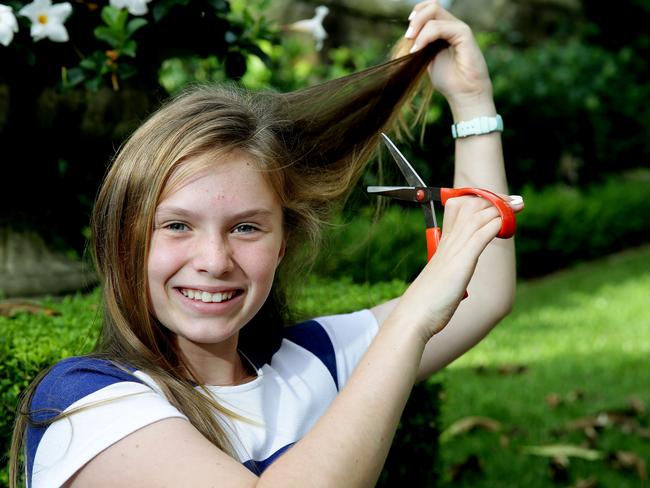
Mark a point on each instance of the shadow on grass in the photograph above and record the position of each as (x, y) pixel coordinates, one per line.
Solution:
(538, 404)
(585, 279)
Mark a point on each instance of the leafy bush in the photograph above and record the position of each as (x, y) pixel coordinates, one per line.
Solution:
(559, 225)
(30, 343)
(562, 225)
(574, 112)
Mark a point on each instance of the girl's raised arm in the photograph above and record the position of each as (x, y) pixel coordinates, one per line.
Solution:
(460, 74)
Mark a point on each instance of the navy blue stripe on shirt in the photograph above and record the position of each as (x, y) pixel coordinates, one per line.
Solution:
(313, 337)
(258, 467)
(67, 382)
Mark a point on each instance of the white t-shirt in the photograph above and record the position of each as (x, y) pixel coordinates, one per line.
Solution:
(291, 392)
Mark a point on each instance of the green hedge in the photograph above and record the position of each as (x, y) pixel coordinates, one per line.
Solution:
(559, 226)
(31, 342)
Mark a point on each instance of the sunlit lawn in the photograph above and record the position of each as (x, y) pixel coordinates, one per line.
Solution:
(577, 345)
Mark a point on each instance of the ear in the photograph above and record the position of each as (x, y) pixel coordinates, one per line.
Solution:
(283, 248)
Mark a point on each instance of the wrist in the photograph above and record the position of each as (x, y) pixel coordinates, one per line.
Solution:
(477, 126)
(472, 106)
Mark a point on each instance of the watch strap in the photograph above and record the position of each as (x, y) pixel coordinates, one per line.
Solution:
(477, 126)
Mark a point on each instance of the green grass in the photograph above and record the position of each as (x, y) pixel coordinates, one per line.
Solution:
(583, 336)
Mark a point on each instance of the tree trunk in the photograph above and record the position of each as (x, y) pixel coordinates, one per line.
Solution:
(29, 267)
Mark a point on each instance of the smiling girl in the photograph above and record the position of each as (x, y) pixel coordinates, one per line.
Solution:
(208, 212)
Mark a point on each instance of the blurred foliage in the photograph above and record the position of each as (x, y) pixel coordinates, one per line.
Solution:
(574, 112)
(559, 226)
(35, 338)
(109, 46)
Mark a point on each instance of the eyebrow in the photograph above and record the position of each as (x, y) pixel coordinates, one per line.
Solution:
(183, 212)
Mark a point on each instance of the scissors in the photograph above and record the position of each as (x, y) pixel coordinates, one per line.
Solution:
(425, 195)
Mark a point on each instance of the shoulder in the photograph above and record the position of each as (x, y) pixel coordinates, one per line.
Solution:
(71, 380)
(338, 341)
(332, 330)
(81, 406)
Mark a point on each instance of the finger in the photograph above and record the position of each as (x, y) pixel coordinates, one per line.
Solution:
(471, 219)
(463, 219)
(471, 235)
(456, 33)
(516, 202)
(428, 11)
(459, 209)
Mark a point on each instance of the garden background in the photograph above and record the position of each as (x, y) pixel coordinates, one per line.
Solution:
(557, 395)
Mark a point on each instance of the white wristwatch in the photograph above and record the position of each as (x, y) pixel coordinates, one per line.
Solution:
(477, 126)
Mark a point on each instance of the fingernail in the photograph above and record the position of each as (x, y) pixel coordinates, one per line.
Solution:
(516, 199)
(411, 15)
(409, 33)
(414, 48)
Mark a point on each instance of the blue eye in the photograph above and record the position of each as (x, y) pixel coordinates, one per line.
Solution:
(245, 228)
(176, 227)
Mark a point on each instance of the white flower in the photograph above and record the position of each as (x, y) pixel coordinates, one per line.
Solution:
(135, 7)
(8, 25)
(47, 19)
(313, 26)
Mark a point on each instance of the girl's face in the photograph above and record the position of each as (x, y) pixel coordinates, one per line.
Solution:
(216, 244)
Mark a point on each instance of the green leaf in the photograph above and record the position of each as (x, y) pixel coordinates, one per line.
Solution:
(129, 48)
(74, 76)
(94, 83)
(163, 7)
(114, 18)
(134, 25)
(108, 35)
(127, 71)
(89, 64)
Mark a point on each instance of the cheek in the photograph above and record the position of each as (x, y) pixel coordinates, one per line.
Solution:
(162, 261)
(262, 263)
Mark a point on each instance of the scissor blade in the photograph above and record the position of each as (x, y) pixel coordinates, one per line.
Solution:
(405, 167)
(407, 193)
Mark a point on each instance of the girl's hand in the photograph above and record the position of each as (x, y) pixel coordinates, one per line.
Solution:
(470, 224)
(459, 73)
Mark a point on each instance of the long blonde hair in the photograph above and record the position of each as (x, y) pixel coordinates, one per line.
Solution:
(312, 145)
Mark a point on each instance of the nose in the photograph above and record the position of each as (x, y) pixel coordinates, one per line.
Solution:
(213, 256)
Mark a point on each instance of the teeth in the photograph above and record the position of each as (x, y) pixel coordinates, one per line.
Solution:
(207, 297)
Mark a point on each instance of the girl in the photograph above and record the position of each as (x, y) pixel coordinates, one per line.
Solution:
(200, 223)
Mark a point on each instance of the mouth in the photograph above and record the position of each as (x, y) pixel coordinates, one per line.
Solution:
(207, 297)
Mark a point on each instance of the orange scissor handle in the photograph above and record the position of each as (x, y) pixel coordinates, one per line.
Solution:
(508, 222)
(433, 238)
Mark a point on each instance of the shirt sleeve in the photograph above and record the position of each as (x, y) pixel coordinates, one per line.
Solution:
(103, 402)
(351, 335)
